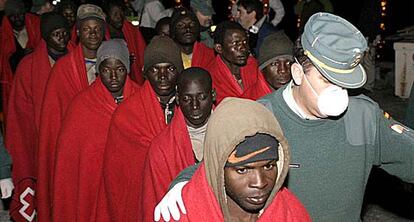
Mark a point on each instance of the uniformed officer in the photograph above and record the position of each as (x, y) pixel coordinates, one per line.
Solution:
(335, 139)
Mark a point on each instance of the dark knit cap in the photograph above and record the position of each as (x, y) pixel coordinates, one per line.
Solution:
(273, 46)
(162, 49)
(253, 149)
(12, 7)
(114, 48)
(179, 14)
(51, 21)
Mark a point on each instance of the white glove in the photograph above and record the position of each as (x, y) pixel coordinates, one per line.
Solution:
(168, 204)
(6, 187)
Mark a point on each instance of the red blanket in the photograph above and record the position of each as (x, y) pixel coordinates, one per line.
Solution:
(134, 124)
(169, 153)
(8, 47)
(26, 97)
(202, 205)
(203, 56)
(136, 46)
(67, 78)
(79, 152)
(226, 85)
(74, 39)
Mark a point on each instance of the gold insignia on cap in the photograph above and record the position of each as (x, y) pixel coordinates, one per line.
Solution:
(356, 60)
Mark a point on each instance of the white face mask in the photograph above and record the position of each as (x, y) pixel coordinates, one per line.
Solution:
(332, 101)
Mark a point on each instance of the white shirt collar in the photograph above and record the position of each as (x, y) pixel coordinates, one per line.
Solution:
(290, 101)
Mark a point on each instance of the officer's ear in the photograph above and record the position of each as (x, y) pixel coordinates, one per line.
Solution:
(297, 73)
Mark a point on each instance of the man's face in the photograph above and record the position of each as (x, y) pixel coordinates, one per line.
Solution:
(204, 20)
(278, 73)
(164, 30)
(58, 39)
(250, 185)
(17, 21)
(186, 31)
(91, 33)
(306, 81)
(70, 15)
(196, 101)
(113, 74)
(47, 7)
(163, 78)
(116, 17)
(244, 18)
(235, 48)
(2, 3)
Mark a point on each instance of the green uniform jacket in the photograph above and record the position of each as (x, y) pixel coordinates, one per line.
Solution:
(332, 158)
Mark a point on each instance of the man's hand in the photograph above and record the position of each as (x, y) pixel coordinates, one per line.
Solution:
(168, 204)
(6, 187)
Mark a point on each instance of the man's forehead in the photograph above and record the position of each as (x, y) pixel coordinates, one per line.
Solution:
(91, 22)
(233, 34)
(186, 18)
(162, 65)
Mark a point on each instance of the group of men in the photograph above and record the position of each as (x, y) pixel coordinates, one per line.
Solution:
(99, 124)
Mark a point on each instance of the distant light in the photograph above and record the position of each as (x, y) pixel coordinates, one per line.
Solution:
(135, 23)
(383, 3)
(54, 2)
(213, 28)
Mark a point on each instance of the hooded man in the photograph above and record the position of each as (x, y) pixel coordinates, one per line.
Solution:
(275, 58)
(26, 99)
(82, 138)
(246, 160)
(134, 124)
(349, 135)
(119, 27)
(180, 144)
(235, 73)
(69, 76)
(19, 35)
(185, 30)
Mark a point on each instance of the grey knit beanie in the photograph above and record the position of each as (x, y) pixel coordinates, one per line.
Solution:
(273, 46)
(162, 49)
(114, 48)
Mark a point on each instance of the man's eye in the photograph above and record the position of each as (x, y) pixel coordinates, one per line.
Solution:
(269, 166)
(186, 98)
(171, 68)
(180, 25)
(121, 70)
(241, 171)
(202, 97)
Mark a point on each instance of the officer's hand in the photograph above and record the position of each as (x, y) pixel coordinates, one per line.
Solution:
(6, 187)
(168, 204)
